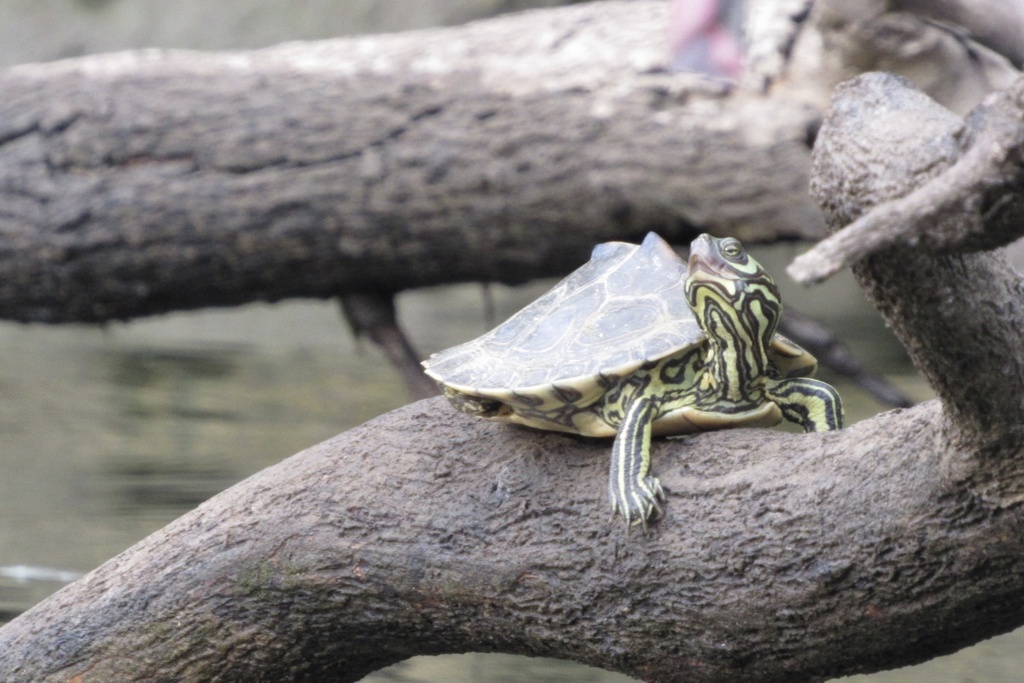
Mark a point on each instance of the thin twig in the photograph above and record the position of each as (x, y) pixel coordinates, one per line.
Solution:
(995, 158)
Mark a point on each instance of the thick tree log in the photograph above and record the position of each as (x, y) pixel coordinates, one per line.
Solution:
(142, 182)
(780, 558)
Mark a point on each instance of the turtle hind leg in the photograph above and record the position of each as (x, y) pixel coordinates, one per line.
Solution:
(633, 493)
(810, 403)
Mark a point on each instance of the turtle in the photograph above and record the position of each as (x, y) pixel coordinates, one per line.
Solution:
(638, 343)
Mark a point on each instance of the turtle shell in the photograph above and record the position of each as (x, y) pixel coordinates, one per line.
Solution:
(624, 307)
(545, 365)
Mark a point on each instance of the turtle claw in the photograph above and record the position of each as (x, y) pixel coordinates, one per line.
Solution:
(641, 504)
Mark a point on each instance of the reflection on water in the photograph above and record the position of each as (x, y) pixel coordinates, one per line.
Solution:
(492, 668)
(18, 581)
(108, 434)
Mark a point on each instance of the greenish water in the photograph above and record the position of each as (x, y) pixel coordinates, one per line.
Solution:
(108, 434)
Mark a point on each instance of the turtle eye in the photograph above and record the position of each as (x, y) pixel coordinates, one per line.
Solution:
(731, 248)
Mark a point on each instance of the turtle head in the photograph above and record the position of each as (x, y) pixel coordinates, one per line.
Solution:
(725, 265)
(734, 299)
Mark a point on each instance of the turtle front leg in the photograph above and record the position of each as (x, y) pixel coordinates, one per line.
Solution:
(634, 495)
(810, 403)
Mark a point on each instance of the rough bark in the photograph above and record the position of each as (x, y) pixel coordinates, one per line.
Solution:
(142, 182)
(975, 203)
(998, 24)
(959, 316)
(780, 558)
(956, 51)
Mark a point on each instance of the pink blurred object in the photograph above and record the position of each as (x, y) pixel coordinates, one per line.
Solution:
(704, 36)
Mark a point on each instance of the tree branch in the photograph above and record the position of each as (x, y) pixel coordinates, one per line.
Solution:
(142, 182)
(957, 314)
(781, 558)
(999, 24)
(991, 166)
(949, 49)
